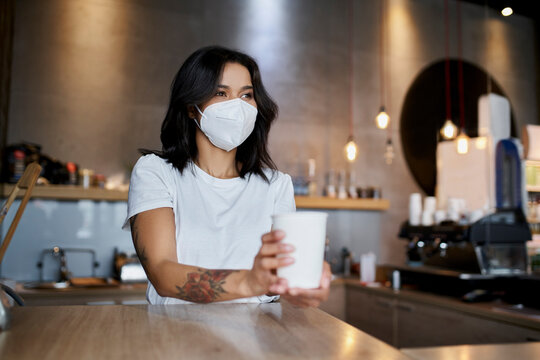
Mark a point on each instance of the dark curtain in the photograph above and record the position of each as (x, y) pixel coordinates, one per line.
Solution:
(7, 11)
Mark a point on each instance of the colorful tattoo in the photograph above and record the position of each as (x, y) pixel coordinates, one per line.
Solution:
(141, 252)
(204, 286)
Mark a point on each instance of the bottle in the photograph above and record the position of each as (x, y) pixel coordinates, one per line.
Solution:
(346, 261)
(353, 193)
(72, 173)
(396, 280)
(18, 165)
(86, 178)
(327, 250)
(342, 190)
(330, 190)
(312, 185)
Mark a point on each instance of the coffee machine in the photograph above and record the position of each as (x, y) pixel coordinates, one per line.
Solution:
(493, 245)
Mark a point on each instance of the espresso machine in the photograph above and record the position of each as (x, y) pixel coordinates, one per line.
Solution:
(493, 245)
(491, 253)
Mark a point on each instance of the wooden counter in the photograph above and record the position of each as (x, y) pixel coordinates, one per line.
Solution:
(216, 331)
(491, 352)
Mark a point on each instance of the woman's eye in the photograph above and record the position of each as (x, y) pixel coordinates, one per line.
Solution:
(221, 93)
(247, 96)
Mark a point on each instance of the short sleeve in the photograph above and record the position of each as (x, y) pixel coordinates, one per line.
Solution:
(284, 201)
(149, 187)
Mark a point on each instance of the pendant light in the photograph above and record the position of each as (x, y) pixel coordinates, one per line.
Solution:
(382, 119)
(462, 143)
(351, 149)
(389, 152)
(449, 130)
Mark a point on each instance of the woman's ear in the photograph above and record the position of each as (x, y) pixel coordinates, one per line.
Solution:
(192, 112)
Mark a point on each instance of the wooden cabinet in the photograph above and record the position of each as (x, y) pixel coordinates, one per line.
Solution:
(371, 313)
(335, 305)
(409, 323)
(426, 325)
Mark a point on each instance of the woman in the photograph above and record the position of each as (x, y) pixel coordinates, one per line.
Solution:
(200, 209)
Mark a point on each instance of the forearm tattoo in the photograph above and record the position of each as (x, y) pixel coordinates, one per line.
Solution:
(139, 248)
(204, 286)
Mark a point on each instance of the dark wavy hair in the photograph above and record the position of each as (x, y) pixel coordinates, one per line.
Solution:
(195, 83)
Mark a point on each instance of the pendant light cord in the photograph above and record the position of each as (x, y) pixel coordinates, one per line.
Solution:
(381, 52)
(460, 68)
(486, 12)
(447, 63)
(385, 79)
(351, 71)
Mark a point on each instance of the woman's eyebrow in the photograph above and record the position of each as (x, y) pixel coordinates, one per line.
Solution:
(227, 87)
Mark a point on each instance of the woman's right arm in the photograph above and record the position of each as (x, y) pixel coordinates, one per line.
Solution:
(153, 234)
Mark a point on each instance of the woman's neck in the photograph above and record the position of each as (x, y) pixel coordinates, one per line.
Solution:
(213, 160)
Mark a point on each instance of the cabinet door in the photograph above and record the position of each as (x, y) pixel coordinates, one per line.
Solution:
(335, 305)
(371, 313)
(427, 325)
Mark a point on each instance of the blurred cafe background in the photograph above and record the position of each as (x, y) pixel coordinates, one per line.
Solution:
(414, 123)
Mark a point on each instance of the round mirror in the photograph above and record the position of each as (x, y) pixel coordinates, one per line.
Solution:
(424, 113)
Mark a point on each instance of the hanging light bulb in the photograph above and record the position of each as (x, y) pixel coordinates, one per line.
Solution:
(351, 150)
(462, 143)
(507, 11)
(449, 130)
(481, 142)
(382, 119)
(389, 152)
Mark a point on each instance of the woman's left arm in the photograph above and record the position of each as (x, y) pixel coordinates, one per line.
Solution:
(310, 297)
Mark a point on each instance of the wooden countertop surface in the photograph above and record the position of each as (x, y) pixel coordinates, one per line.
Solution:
(491, 352)
(216, 331)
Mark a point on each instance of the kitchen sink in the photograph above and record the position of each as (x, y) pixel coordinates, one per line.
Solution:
(73, 283)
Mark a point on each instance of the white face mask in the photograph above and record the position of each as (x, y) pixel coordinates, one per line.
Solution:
(227, 124)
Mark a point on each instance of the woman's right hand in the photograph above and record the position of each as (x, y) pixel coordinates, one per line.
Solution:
(262, 278)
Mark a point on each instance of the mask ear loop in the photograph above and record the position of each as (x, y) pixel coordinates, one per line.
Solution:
(196, 122)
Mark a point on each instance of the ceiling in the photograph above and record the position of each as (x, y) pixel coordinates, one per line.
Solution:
(528, 8)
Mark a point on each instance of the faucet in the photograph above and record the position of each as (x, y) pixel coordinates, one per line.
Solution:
(64, 273)
(60, 253)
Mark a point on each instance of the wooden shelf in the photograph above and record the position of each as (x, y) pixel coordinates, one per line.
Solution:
(533, 188)
(316, 202)
(70, 192)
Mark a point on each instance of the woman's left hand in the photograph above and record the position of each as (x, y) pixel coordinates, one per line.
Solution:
(311, 297)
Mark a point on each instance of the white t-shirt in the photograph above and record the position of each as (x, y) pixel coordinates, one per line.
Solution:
(219, 222)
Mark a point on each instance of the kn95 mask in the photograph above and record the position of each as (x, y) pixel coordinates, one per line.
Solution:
(227, 124)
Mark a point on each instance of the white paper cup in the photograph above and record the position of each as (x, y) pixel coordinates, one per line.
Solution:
(415, 209)
(306, 231)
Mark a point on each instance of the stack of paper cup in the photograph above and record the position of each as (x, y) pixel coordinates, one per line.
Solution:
(428, 214)
(454, 209)
(368, 267)
(415, 209)
(440, 216)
